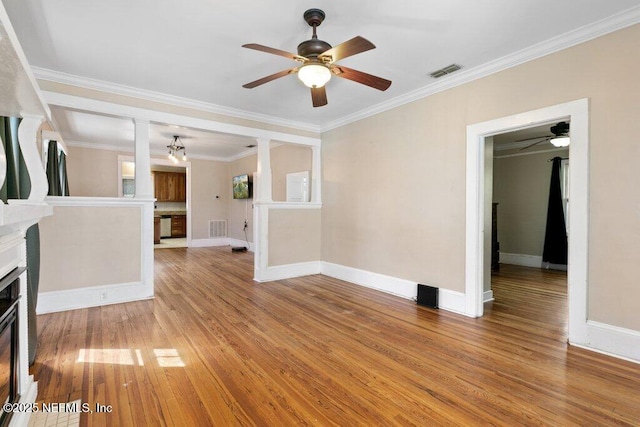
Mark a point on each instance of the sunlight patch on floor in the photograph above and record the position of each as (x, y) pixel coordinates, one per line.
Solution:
(166, 357)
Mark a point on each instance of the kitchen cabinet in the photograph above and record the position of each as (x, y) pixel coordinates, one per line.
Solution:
(170, 186)
(156, 230)
(178, 226)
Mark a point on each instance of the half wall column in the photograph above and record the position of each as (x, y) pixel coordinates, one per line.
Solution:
(142, 160)
(261, 209)
(264, 171)
(316, 174)
(144, 192)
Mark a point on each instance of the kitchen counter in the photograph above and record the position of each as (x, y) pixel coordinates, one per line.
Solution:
(158, 213)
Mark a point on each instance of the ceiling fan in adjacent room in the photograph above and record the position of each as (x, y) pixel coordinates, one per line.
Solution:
(560, 137)
(318, 62)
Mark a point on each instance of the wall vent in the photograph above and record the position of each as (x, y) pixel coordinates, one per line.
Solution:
(446, 70)
(217, 228)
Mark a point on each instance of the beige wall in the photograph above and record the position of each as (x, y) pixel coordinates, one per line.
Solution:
(241, 209)
(394, 184)
(78, 248)
(209, 195)
(294, 236)
(93, 173)
(287, 159)
(521, 187)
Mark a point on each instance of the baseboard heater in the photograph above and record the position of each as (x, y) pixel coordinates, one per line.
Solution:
(427, 296)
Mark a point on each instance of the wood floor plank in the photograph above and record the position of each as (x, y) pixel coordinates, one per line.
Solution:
(216, 348)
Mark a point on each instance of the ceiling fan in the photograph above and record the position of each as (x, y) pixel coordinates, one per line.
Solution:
(318, 62)
(560, 137)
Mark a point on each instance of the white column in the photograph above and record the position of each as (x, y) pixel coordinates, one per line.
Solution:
(316, 175)
(264, 171)
(261, 210)
(144, 191)
(142, 160)
(27, 136)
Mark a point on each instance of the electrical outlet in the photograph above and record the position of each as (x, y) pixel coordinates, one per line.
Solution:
(245, 224)
(103, 296)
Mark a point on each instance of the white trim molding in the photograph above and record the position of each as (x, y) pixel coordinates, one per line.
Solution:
(289, 271)
(612, 340)
(242, 243)
(104, 86)
(613, 23)
(206, 243)
(94, 296)
(521, 259)
(578, 112)
(447, 300)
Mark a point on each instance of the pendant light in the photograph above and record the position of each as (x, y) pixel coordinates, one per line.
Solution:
(175, 148)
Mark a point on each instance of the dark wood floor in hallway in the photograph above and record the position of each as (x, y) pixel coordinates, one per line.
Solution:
(215, 348)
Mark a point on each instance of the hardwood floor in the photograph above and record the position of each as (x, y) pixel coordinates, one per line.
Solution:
(216, 348)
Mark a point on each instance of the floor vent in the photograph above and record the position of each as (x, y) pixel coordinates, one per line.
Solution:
(427, 296)
(217, 228)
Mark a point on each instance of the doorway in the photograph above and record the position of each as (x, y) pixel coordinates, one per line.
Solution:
(167, 209)
(517, 192)
(578, 113)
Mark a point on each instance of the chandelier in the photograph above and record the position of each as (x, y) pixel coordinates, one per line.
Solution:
(175, 148)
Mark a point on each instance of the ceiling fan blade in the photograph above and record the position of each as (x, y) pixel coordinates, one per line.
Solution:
(318, 96)
(267, 79)
(534, 144)
(531, 139)
(275, 51)
(349, 48)
(360, 77)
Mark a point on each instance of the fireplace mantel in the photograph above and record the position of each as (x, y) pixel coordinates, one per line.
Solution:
(20, 96)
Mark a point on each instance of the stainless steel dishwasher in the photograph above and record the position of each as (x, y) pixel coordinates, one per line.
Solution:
(165, 226)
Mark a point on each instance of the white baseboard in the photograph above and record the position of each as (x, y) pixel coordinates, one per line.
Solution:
(488, 296)
(280, 272)
(95, 296)
(521, 259)
(205, 243)
(447, 300)
(529, 261)
(241, 243)
(28, 396)
(612, 340)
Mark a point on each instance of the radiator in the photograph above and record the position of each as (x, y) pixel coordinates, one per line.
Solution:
(217, 228)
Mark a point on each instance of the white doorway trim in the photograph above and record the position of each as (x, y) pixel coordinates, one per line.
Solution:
(163, 162)
(578, 113)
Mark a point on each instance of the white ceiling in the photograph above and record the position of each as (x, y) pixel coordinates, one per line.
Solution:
(192, 49)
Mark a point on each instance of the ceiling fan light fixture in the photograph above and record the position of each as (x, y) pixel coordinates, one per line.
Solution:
(314, 75)
(560, 141)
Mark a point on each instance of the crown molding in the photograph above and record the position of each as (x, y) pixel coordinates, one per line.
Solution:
(111, 147)
(118, 89)
(572, 38)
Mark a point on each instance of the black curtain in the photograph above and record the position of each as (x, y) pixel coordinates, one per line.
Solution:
(17, 185)
(555, 239)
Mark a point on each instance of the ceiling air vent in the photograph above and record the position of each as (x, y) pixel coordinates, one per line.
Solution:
(446, 70)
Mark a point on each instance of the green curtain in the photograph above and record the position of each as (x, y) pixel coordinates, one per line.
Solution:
(53, 169)
(64, 183)
(17, 185)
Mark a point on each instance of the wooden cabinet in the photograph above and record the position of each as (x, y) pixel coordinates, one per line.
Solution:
(156, 230)
(170, 186)
(178, 225)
